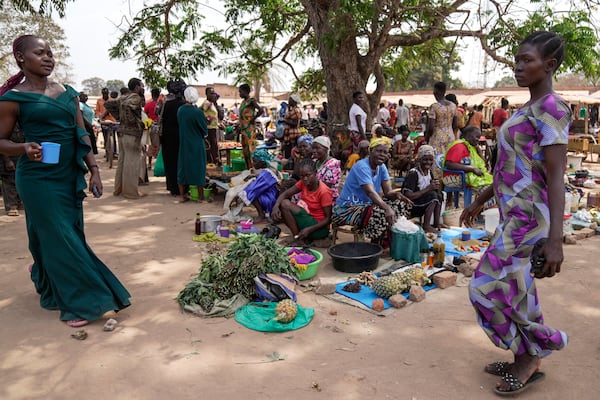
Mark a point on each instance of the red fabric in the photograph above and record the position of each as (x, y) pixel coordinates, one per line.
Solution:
(316, 200)
(499, 116)
(456, 154)
(150, 109)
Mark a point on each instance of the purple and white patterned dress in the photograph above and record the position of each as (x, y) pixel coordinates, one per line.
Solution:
(502, 290)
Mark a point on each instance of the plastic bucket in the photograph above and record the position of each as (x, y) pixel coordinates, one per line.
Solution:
(238, 164)
(206, 192)
(235, 154)
(194, 193)
(311, 269)
(50, 152)
(492, 219)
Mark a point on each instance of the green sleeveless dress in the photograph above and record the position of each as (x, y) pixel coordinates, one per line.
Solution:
(66, 272)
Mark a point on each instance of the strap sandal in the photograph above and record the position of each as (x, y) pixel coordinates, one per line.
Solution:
(515, 386)
(497, 368)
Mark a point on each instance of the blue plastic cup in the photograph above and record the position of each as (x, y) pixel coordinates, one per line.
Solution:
(50, 152)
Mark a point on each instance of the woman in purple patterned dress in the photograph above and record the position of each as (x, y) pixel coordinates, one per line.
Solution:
(528, 186)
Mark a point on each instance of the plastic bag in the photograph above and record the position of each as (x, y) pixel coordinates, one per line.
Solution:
(272, 287)
(159, 165)
(404, 225)
(589, 183)
(260, 317)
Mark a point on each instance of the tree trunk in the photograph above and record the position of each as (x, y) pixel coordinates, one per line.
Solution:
(344, 72)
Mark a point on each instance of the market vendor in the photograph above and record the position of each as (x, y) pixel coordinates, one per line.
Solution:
(259, 189)
(367, 199)
(309, 219)
(424, 190)
(463, 155)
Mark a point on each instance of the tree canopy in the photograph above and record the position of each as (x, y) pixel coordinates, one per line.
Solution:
(350, 39)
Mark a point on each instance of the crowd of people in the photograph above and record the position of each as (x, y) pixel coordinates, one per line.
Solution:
(527, 184)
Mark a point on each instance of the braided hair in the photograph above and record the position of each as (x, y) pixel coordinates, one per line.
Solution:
(19, 46)
(549, 44)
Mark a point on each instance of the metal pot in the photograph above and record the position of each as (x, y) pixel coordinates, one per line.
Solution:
(210, 223)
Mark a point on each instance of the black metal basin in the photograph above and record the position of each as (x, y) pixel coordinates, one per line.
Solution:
(355, 256)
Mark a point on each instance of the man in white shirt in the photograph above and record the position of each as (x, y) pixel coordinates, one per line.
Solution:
(358, 119)
(383, 115)
(402, 116)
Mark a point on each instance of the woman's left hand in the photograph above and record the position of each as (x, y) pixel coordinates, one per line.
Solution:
(95, 181)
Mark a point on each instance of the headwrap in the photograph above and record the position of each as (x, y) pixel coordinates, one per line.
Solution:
(425, 150)
(323, 141)
(363, 144)
(377, 141)
(263, 155)
(375, 127)
(191, 95)
(305, 138)
(296, 98)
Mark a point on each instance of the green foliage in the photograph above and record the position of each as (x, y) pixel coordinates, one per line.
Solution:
(506, 81)
(41, 7)
(223, 276)
(311, 85)
(93, 86)
(115, 85)
(419, 67)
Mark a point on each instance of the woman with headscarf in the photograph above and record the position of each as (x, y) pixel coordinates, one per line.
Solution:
(329, 169)
(424, 190)
(292, 118)
(302, 151)
(367, 200)
(262, 192)
(170, 133)
(441, 124)
(249, 111)
(191, 167)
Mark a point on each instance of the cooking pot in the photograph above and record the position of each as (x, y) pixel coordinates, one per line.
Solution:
(210, 223)
(582, 173)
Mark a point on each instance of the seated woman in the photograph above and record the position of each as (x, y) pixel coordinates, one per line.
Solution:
(367, 199)
(260, 188)
(462, 155)
(424, 191)
(302, 151)
(329, 169)
(402, 152)
(309, 219)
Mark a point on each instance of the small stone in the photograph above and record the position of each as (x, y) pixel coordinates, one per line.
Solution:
(397, 301)
(325, 288)
(417, 294)
(444, 279)
(378, 305)
(589, 232)
(333, 312)
(110, 325)
(570, 239)
(593, 226)
(467, 268)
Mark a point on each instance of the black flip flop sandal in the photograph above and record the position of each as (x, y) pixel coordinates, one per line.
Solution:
(515, 385)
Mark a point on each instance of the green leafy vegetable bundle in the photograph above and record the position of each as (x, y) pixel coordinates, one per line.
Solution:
(224, 276)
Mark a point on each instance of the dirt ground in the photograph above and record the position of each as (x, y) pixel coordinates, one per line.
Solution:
(428, 350)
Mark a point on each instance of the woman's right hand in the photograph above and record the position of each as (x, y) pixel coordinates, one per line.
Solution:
(390, 215)
(276, 213)
(477, 172)
(33, 151)
(469, 214)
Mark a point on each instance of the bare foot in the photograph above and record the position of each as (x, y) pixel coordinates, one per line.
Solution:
(260, 219)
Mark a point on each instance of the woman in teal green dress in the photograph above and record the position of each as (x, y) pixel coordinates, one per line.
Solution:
(191, 164)
(65, 271)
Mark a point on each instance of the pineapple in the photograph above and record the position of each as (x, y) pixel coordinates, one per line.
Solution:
(286, 311)
(388, 286)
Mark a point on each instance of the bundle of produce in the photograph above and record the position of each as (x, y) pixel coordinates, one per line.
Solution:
(222, 277)
(390, 285)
